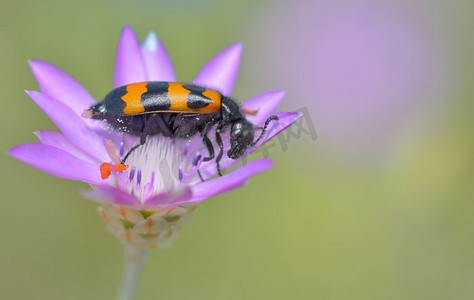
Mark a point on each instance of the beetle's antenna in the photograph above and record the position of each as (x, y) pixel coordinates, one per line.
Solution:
(271, 118)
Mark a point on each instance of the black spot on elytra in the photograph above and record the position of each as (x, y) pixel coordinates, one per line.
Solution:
(156, 98)
(113, 103)
(196, 99)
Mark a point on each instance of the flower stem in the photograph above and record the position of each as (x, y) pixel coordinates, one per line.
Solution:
(133, 265)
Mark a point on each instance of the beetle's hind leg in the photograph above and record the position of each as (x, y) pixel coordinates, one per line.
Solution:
(147, 129)
(264, 129)
(142, 142)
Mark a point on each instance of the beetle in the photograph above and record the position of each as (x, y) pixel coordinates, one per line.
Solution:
(177, 110)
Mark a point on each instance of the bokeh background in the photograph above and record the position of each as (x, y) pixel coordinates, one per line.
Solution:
(380, 206)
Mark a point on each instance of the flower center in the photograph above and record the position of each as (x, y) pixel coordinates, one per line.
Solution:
(154, 167)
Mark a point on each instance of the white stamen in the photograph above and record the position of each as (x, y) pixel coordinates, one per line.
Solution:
(159, 160)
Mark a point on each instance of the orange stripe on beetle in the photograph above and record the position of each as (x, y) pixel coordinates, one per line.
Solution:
(215, 105)
(178, 96)
(132, 98)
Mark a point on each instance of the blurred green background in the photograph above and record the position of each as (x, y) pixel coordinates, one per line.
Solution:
(379, 207)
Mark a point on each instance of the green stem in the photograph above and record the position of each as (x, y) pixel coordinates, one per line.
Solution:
(133, 265)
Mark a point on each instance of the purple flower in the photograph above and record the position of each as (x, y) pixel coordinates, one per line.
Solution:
(162, 174)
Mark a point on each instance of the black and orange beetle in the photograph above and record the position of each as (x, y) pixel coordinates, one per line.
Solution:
(177, 110)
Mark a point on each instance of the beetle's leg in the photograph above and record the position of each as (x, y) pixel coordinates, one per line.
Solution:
(221, 150)
(171, 122)
(195, 162)
(142, 142)
(200, 176)
(130, 152)
(146, 129)
(271, 118)
(160, 122)
(209, 147)
(211, 156)
(207, 142)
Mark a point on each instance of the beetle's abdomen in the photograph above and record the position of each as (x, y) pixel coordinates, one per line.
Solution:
(156, 97)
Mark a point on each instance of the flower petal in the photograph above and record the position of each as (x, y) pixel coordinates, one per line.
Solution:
(129, 66)
(158, 64)
(167, 199)
(221, 71)
(57, 162)
(71, 125)
(60, 86)
(112, 195)
(264, 104)
(229, 181)
(58, 140)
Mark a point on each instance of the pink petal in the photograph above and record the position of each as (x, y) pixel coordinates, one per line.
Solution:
(112, 195)
(158, 63)
(167, 199)
(221, 71)
(264, 104)
(129, 66)
(71, 125)
(58, 140)
(57, 162)
(229, 181)
(60, 86)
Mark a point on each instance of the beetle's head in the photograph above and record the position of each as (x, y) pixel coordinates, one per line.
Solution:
(241, 136)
